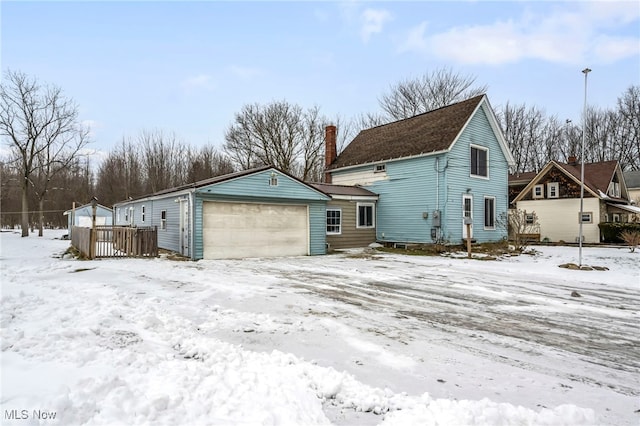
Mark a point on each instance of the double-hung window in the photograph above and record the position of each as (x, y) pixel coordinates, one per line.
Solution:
(366, 215)
(334, 221)
(489, 212)
(479, 161)
(553, 190)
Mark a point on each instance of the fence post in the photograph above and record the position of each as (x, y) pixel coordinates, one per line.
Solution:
(92, 236)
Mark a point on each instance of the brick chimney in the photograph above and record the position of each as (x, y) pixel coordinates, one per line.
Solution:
(330, 151)
(572, 161)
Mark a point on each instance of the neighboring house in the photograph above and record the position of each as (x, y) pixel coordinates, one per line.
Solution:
(262, 212)
(350, 219)
(554, 195)
(431, 172)
(632, 180)
(83, 216)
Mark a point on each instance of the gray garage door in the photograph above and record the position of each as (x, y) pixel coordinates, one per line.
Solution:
(236, 230)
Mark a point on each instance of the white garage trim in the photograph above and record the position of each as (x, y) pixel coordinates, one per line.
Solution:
(236, 230)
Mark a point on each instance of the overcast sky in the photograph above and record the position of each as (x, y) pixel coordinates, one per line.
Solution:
(188, 67)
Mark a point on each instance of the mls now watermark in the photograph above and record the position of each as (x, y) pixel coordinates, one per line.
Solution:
(29, 414)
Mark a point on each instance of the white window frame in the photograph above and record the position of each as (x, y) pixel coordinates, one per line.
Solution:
(126, 214)
(493, 213)
(373, 215)
(380, 168)
(535, 189)
(118, 215)
(163, 219)
(529, 218)
(478, 148)
(273, 179)
(585, 214)
(553, 190)
(616, 218)
(142, 213)
(338, 225)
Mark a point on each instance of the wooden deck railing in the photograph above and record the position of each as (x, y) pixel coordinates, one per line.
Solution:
(116, 241)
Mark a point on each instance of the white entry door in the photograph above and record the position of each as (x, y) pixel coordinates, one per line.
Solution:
(467, 213)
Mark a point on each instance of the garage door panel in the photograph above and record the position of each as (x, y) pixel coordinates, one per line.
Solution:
(234, 230)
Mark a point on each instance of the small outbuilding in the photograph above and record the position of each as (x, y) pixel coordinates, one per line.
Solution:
(83, 216)
(261, 212)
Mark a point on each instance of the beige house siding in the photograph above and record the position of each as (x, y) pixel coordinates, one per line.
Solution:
(364, 176)
(350, 236)
(634, 194)
(558, 218)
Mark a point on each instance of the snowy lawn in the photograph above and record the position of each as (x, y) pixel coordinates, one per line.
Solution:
(353, 338)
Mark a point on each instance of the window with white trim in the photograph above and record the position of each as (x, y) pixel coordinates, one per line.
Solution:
(379, 168)
(489, 212)
(142, 212)
(529, 218)
(334, 221)
(479, 161)
(365, 218)
(553, 190)
(587, 217)
(126, 214)
(616, 218)
(163, 219)
(538, 191)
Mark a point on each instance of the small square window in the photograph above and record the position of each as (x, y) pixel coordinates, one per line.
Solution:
(529, 218)
(334, 221)
(379, 168)
(273, 180)
(587, 217)
(538, 191)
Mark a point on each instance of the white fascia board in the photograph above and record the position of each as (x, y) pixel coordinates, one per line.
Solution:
(355, 197)
(389, 160)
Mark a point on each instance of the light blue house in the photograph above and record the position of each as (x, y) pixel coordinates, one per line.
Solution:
(262, 212)
(432, 173)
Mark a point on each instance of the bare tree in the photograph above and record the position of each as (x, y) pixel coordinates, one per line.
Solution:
(278, 134)
(628, 109)
(207, 162)
(34, 119)
(434, 90)
(61, 150)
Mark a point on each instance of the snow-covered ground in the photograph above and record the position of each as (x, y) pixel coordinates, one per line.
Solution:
(353, 338)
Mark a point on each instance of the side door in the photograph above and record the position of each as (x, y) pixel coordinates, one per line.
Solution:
(467, 214)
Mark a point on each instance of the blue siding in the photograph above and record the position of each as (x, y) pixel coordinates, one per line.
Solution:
(257, 185)
(414, 187)
(255, 188)
(168, 238)
(460, 182)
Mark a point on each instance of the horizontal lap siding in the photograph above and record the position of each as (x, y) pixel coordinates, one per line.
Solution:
(408, 192)
(169, 238)
(256, 189)
(459, 182)
(350, 235)
(558, 218)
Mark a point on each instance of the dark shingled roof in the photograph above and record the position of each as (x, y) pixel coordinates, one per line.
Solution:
(597, 176)
(422, 134)
(343, 190)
